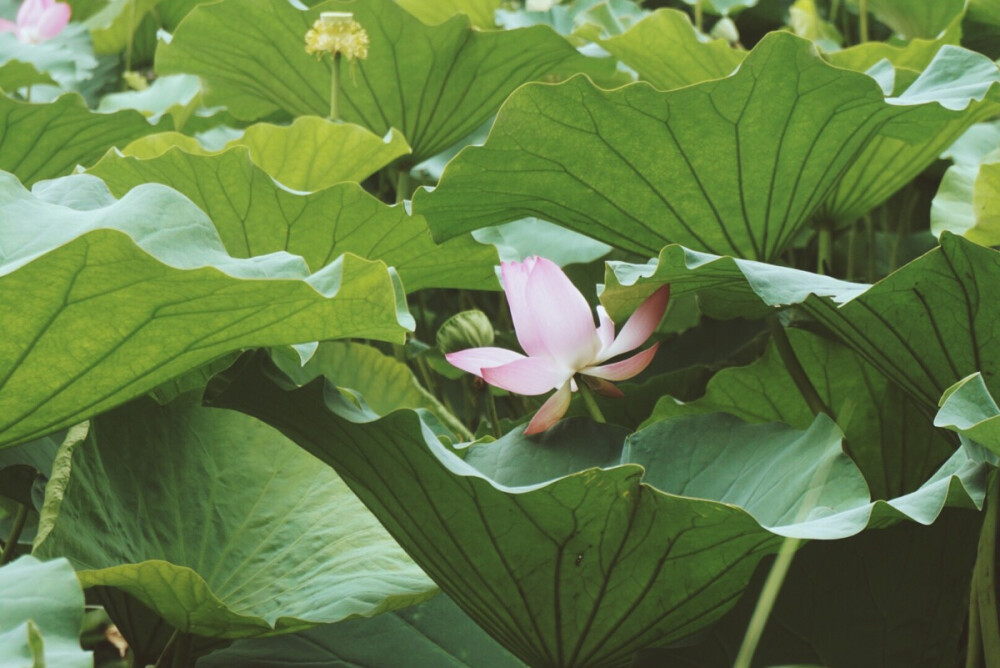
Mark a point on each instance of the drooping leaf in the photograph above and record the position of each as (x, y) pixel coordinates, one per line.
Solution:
(435, 84)
(530, 236)
(434, 634)
(568, 564)
(962, 82)
(925, 327)
(733, 166)
(43, 141)
(667, 51)
(41, 612)
(234, 533)
(968, 201)
(72, 254)
(255, 216)
(968, 407)
(888, 436)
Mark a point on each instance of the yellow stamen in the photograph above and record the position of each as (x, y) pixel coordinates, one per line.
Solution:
(337, 33)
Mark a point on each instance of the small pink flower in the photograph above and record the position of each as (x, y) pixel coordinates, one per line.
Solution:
(555, 326)
(38, 20)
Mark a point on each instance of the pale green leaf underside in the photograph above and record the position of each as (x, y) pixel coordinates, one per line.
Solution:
(890, 439)
(435, 84)
(41, 612)
(43, 141)
(734, 166)
(235, 532)
(255, 216)
(926, 326)
(969, 408)
(968, 201)
(566, 564)
(70, 254)
(434, 634)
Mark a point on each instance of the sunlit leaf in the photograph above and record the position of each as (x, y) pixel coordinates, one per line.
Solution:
(72, 254)
(435, 84)
(255, 216)
(433, 12)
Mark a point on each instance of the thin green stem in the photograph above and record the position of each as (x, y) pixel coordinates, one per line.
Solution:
(699, 15)
(863, 20)
(182, 652)
(10, 547)
(870, 269)
(589, 401)
(131, 36)
(491, 410)
(166, 648)
(795, 370)
(834, 9)
(768, 596)
(852, 249)
(335, 88)
(402, 184)
(824, 251)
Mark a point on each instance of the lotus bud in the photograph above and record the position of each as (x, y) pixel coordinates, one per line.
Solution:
(468, 329)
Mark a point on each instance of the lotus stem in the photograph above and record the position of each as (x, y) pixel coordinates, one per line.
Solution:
(795, 370)
(824, 252)
(335, 88)
(491, 410)
(699, 18)
(590, 402)
(984, 622)
(15, 534)
(863, 20)
(768, 596)
(402, 183)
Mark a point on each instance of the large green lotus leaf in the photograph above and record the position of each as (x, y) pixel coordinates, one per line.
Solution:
(15, 74)
(41, 613)
(310, 154)
(968, 201)
(917, 18)
(436, 84)
(256, 216)
(236, 532)
(925, 326)
(969, 408)
(70, 254)
(530, 236)
(433, 634)
(895, 597)
(888, 436)
(568, 564)
(433, 12)
(962, 82)
(732, 166)
(43, 141)
(666, 50)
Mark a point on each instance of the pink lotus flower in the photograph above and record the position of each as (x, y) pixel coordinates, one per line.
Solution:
(38, 20)
(555, 326)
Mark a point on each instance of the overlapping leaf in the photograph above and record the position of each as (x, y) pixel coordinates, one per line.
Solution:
(732, 166)
(917, 18)
(255, 216)
(41, 612)
(43, 141)
(236, 531)
(891, 440)
(925, 326)
(566, 564)
(70, 255)
(434, 634)
(436, 84)
(968, 407)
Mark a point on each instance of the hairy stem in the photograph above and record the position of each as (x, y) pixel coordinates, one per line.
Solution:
(590, 402)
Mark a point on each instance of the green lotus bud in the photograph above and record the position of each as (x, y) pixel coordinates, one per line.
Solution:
(468, 329)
